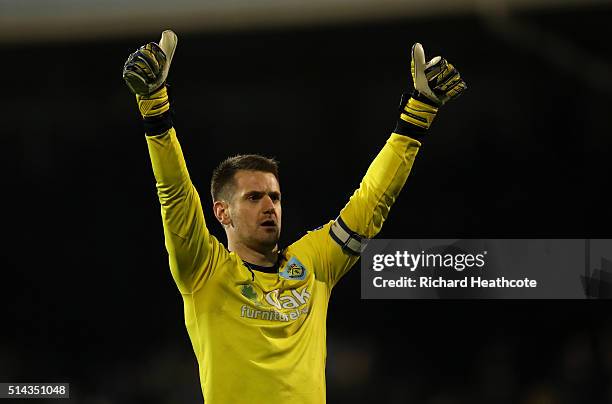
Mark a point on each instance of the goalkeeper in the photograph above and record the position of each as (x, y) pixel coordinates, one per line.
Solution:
(256, 313)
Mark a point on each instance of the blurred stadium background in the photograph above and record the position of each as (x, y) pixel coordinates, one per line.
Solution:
(87, 296)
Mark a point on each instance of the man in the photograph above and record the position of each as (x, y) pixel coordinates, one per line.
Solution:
(256, 314)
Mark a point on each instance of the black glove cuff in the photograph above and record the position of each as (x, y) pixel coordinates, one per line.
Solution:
(156, 125)
(407, 129)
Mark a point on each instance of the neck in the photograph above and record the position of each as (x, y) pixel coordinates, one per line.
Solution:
(248, 254)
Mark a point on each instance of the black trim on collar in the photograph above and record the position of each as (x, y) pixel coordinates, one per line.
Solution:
(269, 270)
(260, 268)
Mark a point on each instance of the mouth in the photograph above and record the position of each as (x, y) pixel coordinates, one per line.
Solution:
(268, 223)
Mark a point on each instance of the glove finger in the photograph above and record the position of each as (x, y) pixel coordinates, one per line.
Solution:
(446, 89)
(137, 78)
(447, 73)
(419, 77)
(456, 91)
(154, 57)
(432, 62)
(417, 65)
(137, 73)
(435, 70)
(137, 59)
(142, 67)
(159, 54)
(446, 80)
(147, 60)
(130, 64)
(167, 44)
(136, 83)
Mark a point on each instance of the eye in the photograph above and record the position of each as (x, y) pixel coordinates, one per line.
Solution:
(254, 196)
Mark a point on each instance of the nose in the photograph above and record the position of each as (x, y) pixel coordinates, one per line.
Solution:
(268, 204)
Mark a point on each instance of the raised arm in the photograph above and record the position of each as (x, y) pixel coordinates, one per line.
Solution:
(435, 83)
(191, 248)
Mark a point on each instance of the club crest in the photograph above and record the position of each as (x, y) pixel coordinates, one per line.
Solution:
(294, 270)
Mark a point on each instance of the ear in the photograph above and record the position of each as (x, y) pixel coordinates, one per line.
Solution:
(221, 210)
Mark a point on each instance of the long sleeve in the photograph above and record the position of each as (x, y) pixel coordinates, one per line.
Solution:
(367, 208)
(191, 248)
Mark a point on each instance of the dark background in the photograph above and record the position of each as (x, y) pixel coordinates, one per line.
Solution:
(87, 295)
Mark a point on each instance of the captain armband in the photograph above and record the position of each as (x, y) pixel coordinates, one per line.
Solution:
(350, 241)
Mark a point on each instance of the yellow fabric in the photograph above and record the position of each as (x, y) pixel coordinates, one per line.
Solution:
(264, 340)
(153, 104)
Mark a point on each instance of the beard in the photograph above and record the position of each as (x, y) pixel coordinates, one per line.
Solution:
(269, 238)
(262, 239)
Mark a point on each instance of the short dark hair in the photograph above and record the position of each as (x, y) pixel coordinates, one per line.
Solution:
(223, 175)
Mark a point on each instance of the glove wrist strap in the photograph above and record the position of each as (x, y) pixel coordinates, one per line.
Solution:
(415, 117)
(154, 104)
(156, 112)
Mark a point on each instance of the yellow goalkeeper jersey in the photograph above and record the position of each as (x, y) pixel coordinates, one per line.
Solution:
(260, 337)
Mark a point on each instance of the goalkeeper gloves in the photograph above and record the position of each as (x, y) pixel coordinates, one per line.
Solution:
(435, 83)
(145, 73)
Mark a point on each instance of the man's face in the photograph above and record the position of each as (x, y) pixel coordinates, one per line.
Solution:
(255, 209)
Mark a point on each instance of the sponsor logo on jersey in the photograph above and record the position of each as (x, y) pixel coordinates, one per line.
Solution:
(250, 293)
(289, 300)
(283, 306)
(294, 270)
